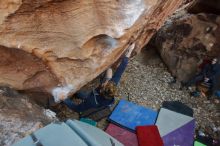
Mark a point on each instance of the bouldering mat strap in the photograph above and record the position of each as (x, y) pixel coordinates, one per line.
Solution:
(35, 140)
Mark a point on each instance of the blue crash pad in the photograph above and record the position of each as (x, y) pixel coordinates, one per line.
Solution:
(130, 115)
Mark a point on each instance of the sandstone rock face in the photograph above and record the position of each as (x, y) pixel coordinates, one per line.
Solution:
(60, 42)
(186, 41)
(19, 117)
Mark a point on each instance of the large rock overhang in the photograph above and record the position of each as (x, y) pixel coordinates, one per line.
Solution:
(72, 41)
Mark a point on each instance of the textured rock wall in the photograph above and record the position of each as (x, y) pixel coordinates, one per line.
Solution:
(61, 42)
(186, 41)
(18, 117)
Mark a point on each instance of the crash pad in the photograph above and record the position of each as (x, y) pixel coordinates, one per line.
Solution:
(206, 140)
(196, 143)
(148, 136)
(175, 128)
(130, 115)
(93, 136)
(71, 133)
(124, 136)
(88, 121)
(55, 134)
(178, 107)
(183, 135)
(96, 114)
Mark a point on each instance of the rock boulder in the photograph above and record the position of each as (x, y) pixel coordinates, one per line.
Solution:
(19, 116)
(186, 42)
(49, 43)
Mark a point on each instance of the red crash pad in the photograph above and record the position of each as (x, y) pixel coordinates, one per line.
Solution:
(148, 136)
(122, 135)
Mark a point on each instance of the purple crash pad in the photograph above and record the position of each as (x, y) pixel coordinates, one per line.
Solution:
(122, 135)
(182, 136)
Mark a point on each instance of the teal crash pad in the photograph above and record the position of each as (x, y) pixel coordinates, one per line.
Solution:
(54, 135)
(71, 133)
(88, 121)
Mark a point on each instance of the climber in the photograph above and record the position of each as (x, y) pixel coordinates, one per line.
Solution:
(207, 77)
(105, 93)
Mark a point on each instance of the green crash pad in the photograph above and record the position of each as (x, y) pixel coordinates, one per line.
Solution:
(196, 143)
